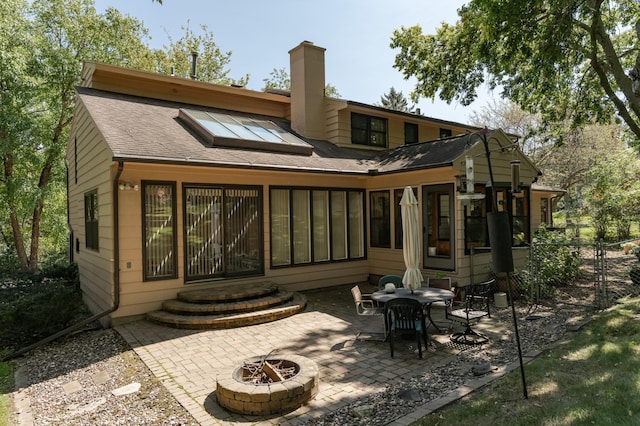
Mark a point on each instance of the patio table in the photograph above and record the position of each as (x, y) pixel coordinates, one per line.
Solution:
(424, 295)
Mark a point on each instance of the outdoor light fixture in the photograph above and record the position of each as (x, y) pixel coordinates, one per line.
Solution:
(127, 186)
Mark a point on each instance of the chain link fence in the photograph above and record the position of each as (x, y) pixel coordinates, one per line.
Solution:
(592, 275)
(589, 274)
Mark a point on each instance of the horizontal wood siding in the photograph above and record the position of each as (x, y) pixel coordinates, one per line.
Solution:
(192, 92)
(138, 297)
(89, 160)
(333, 121)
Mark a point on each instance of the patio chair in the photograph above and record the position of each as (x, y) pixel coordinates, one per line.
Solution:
(405, 315)
(366, 307)
(444, 283)
(393, 279)
(474, 306)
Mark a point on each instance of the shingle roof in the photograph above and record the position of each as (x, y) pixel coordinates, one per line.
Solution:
(423, 155)
(149, 130)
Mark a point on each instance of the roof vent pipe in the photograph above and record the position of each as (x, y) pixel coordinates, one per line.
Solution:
(194, 64)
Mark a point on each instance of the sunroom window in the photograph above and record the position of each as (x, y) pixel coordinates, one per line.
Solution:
(316, 225)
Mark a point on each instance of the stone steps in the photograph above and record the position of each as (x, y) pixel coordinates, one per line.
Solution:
(228, 307)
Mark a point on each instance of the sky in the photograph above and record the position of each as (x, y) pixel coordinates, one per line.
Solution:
(355, 33)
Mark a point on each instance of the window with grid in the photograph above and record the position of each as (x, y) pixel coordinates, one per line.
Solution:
(368, 130)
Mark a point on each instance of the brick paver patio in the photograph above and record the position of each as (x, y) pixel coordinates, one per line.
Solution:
(188, 362)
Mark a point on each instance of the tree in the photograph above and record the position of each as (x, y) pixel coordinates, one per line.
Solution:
(395, 100)
(39, 75)
(42, 46)
(570, 61)
(279, 79)
(612, 189)
(211, 61)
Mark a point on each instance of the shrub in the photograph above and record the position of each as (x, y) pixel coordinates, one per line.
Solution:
(555, 261)
(34, 306)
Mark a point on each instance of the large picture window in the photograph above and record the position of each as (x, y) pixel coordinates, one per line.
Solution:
(91, 220)
(315, 225)
(380, 222)
(223, 231)
(159, 216)
(368, 130)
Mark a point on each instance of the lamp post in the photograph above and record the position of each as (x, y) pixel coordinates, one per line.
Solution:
(500, 239)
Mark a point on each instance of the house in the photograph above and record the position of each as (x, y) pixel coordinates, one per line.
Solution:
(175, 183)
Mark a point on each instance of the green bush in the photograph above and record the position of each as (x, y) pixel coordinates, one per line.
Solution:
(555, 261)
(34, 306)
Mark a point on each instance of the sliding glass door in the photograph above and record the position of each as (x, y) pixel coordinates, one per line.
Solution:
(222, 228)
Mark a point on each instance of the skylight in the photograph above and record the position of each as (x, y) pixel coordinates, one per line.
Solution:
(243, 132)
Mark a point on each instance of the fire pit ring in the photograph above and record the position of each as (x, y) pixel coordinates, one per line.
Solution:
(239, 396)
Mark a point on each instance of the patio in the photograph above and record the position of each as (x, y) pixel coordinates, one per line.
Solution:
(188, 362)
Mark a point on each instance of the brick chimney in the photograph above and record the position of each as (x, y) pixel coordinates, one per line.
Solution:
(307, 90)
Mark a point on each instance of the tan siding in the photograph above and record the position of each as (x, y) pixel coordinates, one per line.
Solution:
(396, 133)
(141, 83)
(92, 165)
(139, 297)
(333, 108)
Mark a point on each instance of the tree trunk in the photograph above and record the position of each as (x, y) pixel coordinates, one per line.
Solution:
(18, 241)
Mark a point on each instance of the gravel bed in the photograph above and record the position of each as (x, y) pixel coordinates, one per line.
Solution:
(71, 382)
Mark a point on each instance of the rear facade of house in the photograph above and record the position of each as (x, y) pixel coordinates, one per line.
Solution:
(177, 184)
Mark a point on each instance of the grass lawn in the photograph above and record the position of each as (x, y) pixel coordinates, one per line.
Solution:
(6, 387)
(592, 380)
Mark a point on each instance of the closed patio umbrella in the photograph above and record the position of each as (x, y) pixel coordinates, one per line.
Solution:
(412, 278)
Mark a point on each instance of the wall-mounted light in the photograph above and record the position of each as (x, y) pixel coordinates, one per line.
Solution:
(127, 186)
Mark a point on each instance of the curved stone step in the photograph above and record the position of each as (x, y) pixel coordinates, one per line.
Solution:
(228, 293)
(213, 322)
(188, 308)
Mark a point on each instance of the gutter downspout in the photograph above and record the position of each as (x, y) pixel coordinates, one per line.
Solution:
(116, 280)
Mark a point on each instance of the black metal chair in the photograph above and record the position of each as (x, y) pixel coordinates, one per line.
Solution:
(405, 315)
(475, 305)
(393, 279)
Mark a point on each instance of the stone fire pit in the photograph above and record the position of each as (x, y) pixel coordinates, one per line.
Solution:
(268, 385)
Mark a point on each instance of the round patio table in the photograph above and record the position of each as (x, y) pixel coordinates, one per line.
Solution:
(424, 295)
